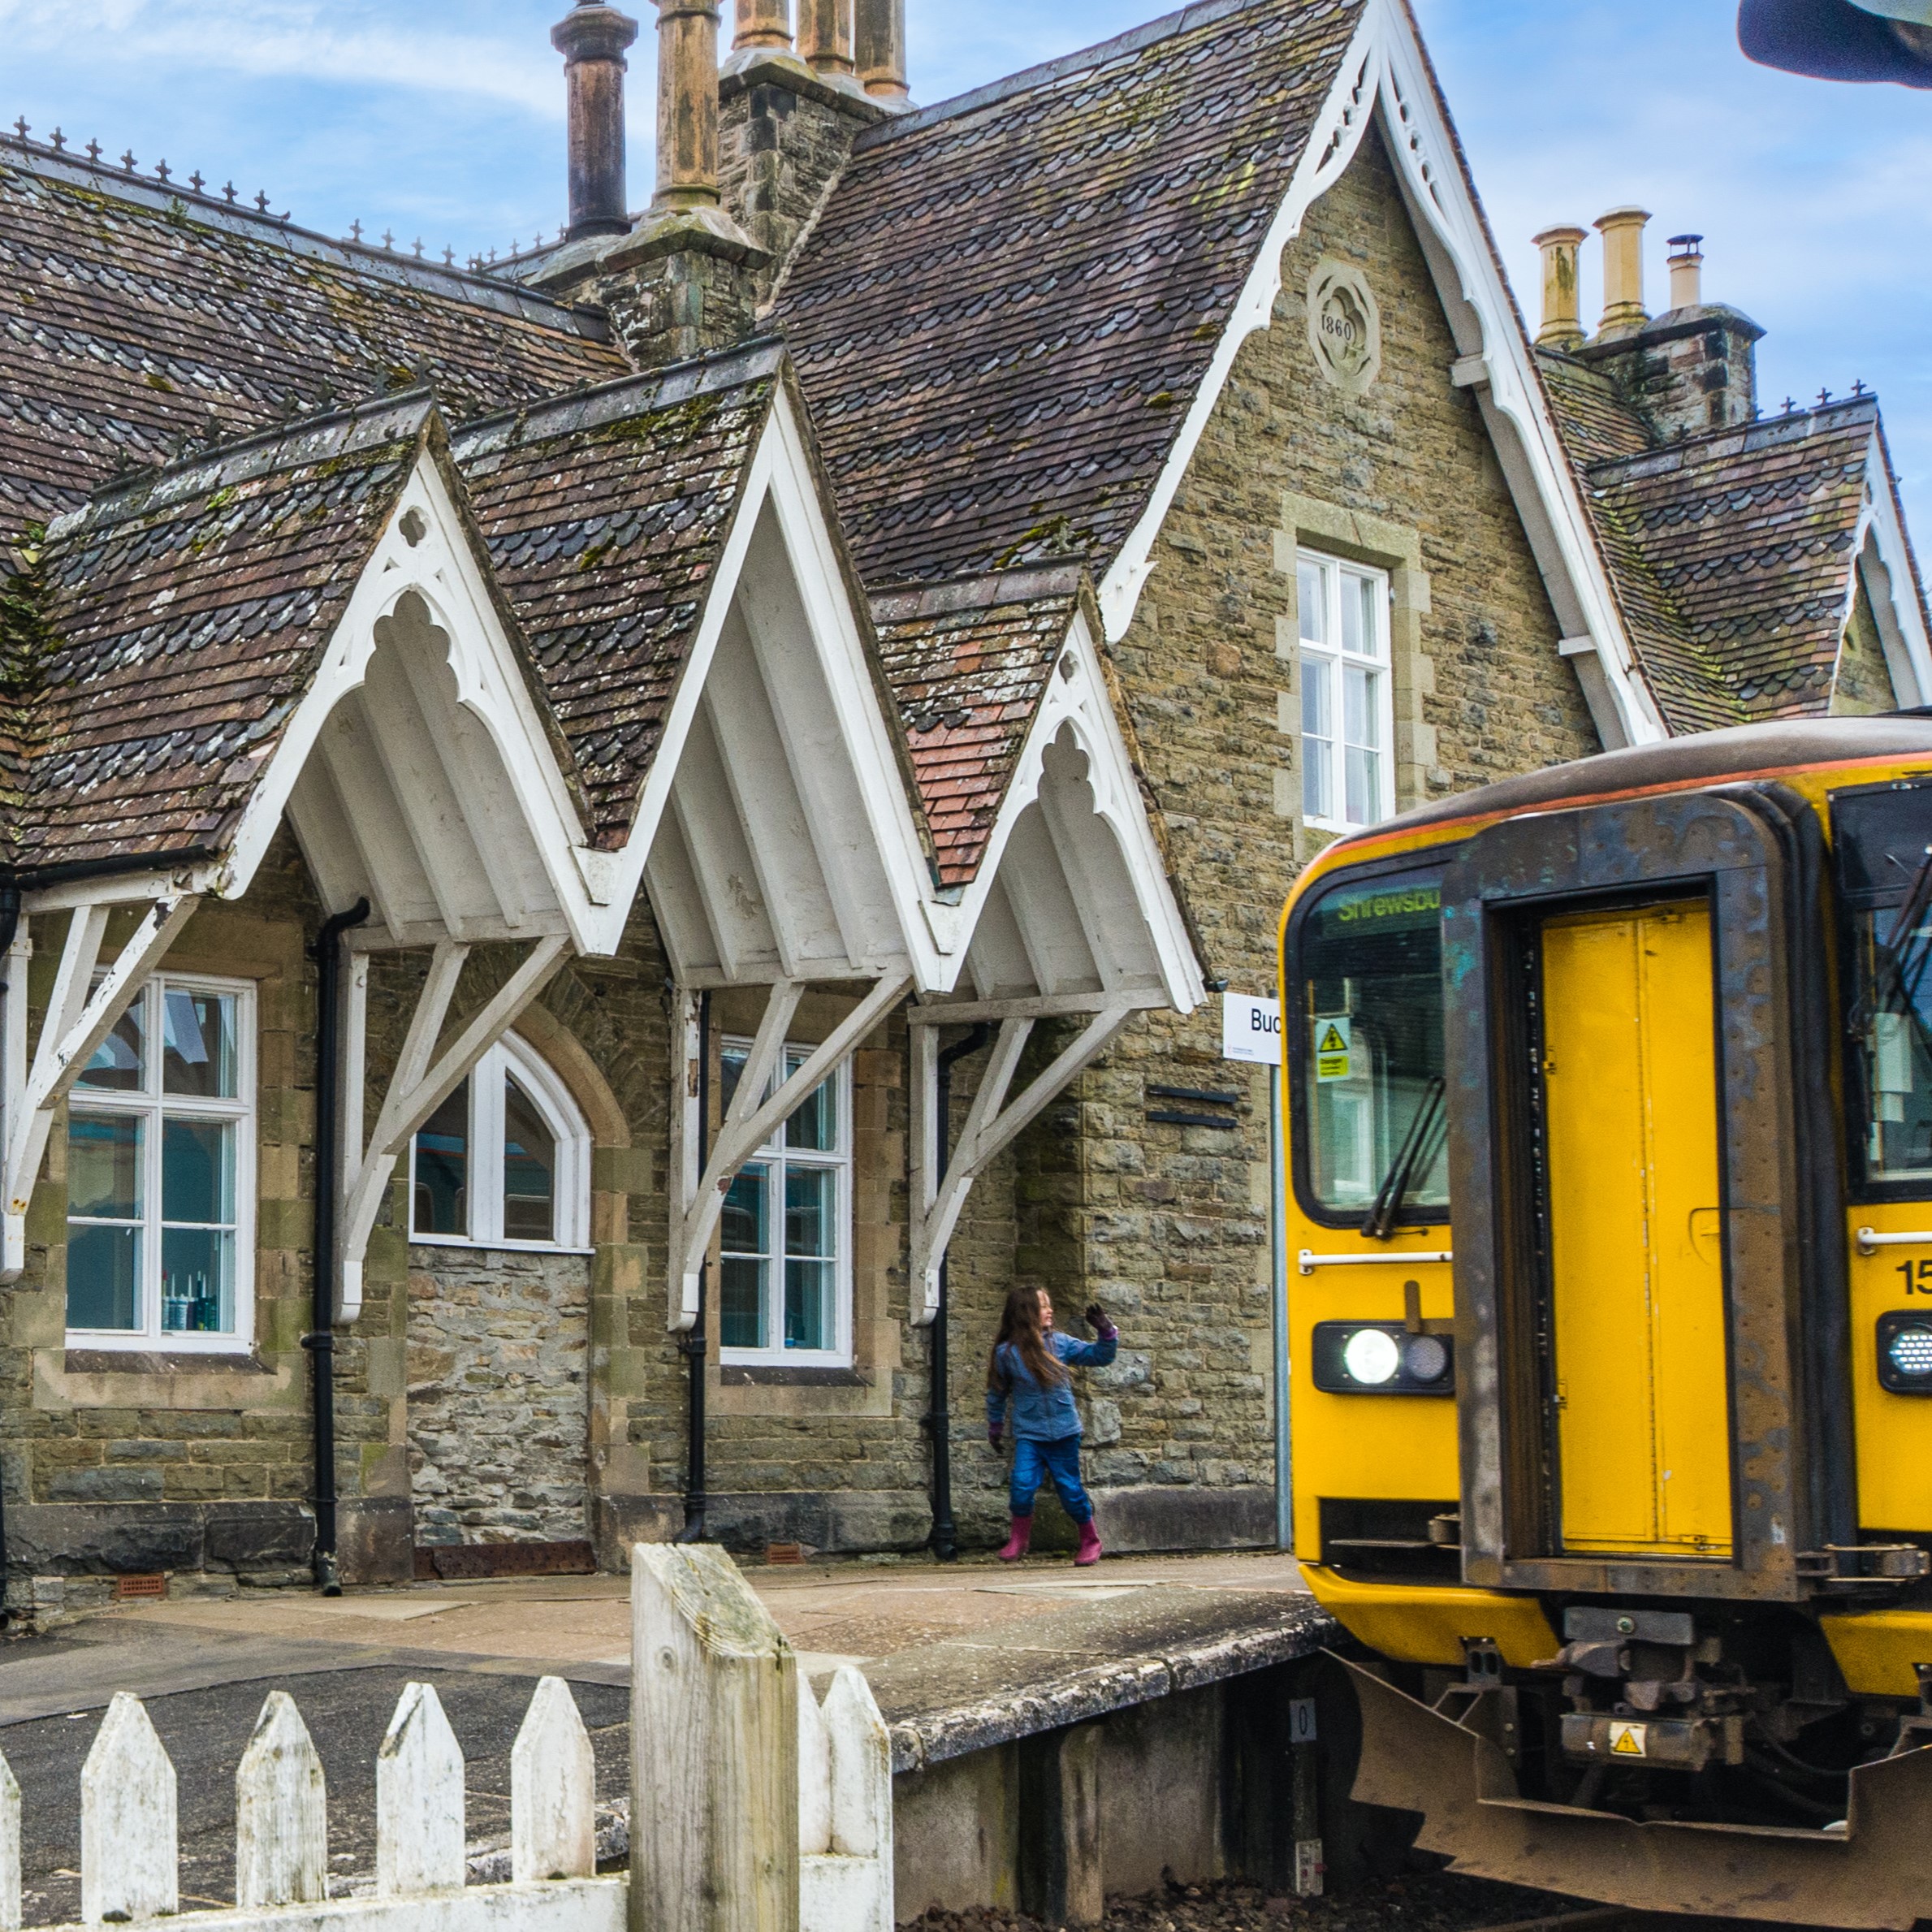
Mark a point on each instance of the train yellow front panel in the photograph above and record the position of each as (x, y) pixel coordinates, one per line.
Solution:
(1630, 1071)
(1894, 1431)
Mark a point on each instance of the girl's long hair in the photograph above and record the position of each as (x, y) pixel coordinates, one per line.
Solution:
(1020, 1324)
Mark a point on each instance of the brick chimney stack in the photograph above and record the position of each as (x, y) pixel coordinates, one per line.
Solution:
(1687, 271)
(687, 106)
(879, 49)
(1692, 369)
(762, 24)
(1562, 314)
(594, 39)
(789, 113)
(825, 39)
(1623, 232)
(683, 279)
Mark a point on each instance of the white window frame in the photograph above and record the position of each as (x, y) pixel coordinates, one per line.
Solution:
(153, 1105)
(775, 1156)
(1336, 574)
(565, 1120)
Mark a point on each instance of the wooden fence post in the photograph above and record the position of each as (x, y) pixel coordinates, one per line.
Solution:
(9, 1849)
(815, 1774)
(846, 1881)
(714, 1750)
(553, 1791)
(281, 1812)
(861, 1769)
(129, 1868)
(419, 1799)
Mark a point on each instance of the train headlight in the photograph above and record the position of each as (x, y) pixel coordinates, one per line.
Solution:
(1425, 1357)
(1381, 1357)
(1905, 1354)
(1372, 1357)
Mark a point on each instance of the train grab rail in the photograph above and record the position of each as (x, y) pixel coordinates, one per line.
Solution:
(1310, 1261)
(1870, 1240)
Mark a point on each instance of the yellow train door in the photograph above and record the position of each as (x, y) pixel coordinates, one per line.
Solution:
(1630, 1073)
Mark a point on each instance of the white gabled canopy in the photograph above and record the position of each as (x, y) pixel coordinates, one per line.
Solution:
(1072, 915)
(776, 835)
(766, 865)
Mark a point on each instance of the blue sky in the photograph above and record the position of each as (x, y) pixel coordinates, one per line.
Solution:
(444, 120)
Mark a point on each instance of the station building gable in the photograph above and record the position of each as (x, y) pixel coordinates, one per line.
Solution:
(640, 824)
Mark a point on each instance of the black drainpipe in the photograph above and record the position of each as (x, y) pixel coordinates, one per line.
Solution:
(10, 924)
(321, 1343)
(938, 1418)
(696, 1502)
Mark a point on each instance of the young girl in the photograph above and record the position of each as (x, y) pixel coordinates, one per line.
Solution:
(1029, 1370)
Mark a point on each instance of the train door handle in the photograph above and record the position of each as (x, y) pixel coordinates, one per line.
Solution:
(1705, 1224)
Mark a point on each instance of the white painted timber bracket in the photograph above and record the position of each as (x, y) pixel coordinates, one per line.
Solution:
(990, 1124)
(698, 1199)
(416, 1088)
(79, 1016)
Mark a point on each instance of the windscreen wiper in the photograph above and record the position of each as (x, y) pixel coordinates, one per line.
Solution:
(1408, 1163)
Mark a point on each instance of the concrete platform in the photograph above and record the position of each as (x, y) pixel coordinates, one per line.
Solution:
(968, 1662)
(944, 1645)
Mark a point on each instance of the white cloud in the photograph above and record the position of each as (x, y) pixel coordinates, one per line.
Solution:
(349, 45)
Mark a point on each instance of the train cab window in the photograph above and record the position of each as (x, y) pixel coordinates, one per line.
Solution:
(1369, 964)
(1884, 841)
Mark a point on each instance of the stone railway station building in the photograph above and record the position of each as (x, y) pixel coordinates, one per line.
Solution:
(524, 787)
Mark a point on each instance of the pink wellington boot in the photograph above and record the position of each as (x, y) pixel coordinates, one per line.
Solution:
(1089, 1551)
(1015, 1546)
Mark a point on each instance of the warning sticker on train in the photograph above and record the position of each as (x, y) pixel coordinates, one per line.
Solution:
(1333, 1039)
(1627, 1740)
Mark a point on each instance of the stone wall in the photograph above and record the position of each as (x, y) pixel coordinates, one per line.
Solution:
(499, 1413)
(1863, 687)
(129, 1463)
(1167, 1224)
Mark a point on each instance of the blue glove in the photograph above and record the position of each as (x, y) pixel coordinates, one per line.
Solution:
(993, 1432)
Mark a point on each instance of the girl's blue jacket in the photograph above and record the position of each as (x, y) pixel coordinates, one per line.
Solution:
(1043, 1415)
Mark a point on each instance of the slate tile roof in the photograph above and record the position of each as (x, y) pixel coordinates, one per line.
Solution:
(1749, 532)
(967, 663)
(1597, 423)
(1008, 303)
(605, 514)
(185, 616)
(1729, 553)
(130, 315)
(182, 617)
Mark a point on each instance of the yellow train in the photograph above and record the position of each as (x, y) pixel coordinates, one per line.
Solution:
(1611, 1308)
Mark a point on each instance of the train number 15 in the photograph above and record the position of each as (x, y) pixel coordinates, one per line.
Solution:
(1918, 1277)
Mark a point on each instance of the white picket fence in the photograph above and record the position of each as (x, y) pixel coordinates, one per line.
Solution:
(753, 1808)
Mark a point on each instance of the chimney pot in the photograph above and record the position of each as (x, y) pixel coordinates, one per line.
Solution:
(825, 38)
(594, 39)
(1687, 271)
(687, 105)
(878, 48)
(1623, 232)
(764, 23)
(1562, 314)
